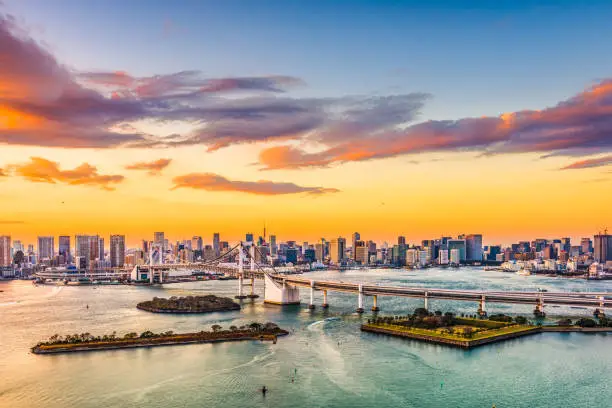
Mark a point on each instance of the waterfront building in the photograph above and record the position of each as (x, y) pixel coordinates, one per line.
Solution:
(320, 252)
(309, 255)
(401, 240)
(458, 244)
(208, 252)
(455, 256)
(412, 257)
(273, 246)
(291, 255)
(5, 250)
(362, 254)
(443, 257)
(117, 251)
(249, 237)
(46, 247)
(602, 248)
(473, 247)
(336, 250)
(423, 258)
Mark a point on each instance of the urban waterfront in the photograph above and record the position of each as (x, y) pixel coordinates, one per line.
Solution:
(331, 361)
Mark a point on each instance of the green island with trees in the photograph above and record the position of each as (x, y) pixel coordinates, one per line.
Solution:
(189, 304)
(87, 342)
(471, 331)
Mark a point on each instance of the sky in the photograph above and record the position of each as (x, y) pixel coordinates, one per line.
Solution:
(318, 119)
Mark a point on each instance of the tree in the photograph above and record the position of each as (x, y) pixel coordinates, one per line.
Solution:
(586, 322)
(147, 334)
(215, 328)
(520, 320)
(255, 326)
(131, 335)
(564, 322)
(18, 258)
(233, 328)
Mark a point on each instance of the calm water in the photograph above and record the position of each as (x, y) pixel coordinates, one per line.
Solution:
(337, 365)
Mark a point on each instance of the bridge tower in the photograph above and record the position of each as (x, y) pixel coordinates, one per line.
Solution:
(325, 305)
(375, 307)
(311, 305)
(426, 300)
(482, 311)
(280, 293)
(252, 295)
(240, 272)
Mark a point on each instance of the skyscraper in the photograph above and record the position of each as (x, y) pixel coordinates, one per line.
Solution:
(459, 245)
(337, 247)
(356, 237)
(602, 249)
(401, 240)
(46, 246)
(117, 251)
(586, 245)
(216, 246)
(273, 247)
(64, 248)
(100, 247)
(5, 250)
(473, 247)
(196, 243)
(249, 237)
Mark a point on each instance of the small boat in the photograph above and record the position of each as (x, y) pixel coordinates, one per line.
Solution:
(524, 272)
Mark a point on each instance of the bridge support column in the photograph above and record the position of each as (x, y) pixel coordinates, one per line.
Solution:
(311, 305)
(280, 293)
(375, 307)
(482, 307)
(360, 300)
(252, 295)
(539, 309)
(602, 302)
(325, 305)
(240, 273)
(426, 301)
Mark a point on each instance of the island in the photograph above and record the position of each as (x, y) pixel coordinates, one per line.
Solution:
(472, 331)
(189, 304)
(87, 342)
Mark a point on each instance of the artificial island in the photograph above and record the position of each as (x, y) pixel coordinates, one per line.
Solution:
(189, 304)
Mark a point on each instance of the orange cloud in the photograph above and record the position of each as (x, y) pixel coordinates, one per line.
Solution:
(154, 167)
(215, 182)
(41, 170)
(584, 164)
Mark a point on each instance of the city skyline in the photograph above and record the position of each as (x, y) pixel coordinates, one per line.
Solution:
(120, 136)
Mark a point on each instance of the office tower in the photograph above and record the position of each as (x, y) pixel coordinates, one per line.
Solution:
(117, 251)
(145, 246)
(319, 252)
(566, 244)
(473, 247)
(17, 246)
(443, 257)
(602, 248)
(5, 251)
(337, 246)
(361, 253)
(356, 237)
(291, 255)
(196, 243)
(249, 237)
(46, 246)
(412, 257)
(261, 254)
(458, 244)
(273, 247)
(304, 247)
(586, 245)
(100, 248)
(64, 248)
(82, 249)
(160, 240)
(216, 243)
(455, 256)
(401, 240)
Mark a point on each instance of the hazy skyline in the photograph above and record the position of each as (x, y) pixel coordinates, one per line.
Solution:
(319, 118)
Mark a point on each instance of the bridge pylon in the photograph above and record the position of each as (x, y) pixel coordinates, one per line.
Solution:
(241, 294)
(360, 309)
(375, 307)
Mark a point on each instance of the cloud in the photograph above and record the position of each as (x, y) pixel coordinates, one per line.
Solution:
(45, 171)
(154, 167)
(584, 164)
(582, 123)
(215, 182)
(11, 222)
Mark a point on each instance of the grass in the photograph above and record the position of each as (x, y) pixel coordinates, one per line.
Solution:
(477, 335)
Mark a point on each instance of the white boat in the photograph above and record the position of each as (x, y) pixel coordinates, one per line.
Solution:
(524, 272)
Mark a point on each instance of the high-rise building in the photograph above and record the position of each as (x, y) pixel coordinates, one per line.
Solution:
(273, 247)
(46, 246)
(291, 255)
(18, 246)
(356, 237)
(455, 256)
(337, 248)
(100, 248)
(401, 240)
(362, 255)
(473, 247)
(5, 251)
(587, 245)
(82, 249)
(216, 246)
(443, 257)
(159, 239)
(196, 243)
(64, 248)
(602, 248)
(458, 244)
(117, 251)
(249, 237)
